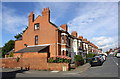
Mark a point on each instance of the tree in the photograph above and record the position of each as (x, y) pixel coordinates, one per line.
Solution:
(8, 47)
(107, 52)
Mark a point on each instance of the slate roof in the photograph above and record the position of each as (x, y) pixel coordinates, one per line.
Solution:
(9, 52)
(31, 49)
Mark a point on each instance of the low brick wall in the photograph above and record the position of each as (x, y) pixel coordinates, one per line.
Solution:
(33, 63)
(58, 66)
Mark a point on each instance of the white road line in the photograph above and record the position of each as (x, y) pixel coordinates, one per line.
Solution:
(115, 62)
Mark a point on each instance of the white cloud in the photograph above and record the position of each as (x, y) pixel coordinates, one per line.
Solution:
(96, 17)
(105, 42)
(11, 22)
(96, 20)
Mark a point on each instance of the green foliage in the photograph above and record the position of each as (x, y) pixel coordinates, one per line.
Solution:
(11, 54)
(78, 58)
(58, 60)
(8, 47)
(0, 55)
(90, 55)
(17, 59)
(50, 60)
(107, 52)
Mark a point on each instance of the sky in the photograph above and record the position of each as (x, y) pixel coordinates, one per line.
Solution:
(96, 21)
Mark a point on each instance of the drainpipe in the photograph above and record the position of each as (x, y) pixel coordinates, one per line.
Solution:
(56, 40)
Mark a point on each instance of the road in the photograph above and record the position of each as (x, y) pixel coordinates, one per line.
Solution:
(108, 69)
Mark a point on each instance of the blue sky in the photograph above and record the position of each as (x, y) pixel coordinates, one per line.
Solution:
(96, 21)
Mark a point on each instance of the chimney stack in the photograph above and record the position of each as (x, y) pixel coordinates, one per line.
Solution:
(64, 26)
(74, 33)
(46, 14)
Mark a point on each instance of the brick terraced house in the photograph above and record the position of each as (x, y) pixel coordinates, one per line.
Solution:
(42, 38)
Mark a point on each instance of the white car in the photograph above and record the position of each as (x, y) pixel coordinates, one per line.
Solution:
(118, 55)
(103, 56)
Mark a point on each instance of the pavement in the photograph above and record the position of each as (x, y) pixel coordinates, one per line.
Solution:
(108, 69)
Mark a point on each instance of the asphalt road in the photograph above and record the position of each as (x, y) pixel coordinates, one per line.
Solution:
(108, 69)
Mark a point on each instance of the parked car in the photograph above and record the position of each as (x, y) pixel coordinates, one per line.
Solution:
(102, 55)
(118, 55)
(96, 61)
(101, 58)
(105, 54)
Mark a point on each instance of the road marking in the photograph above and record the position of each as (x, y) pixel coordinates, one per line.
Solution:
(115, 62)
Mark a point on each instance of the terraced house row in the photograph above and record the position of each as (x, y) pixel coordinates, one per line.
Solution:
(42, 38)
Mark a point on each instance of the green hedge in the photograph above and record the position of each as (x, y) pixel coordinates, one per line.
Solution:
(90, 55)
(78, 59)
(58, 60)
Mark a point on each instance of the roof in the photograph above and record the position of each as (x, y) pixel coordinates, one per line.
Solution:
(53, 24)
(9, 52)
(32, 49)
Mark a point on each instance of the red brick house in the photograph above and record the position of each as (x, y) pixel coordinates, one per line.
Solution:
(42, 34)
(44, 37)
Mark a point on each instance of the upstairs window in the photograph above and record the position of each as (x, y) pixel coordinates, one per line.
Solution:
(36, 40)
(62, 39)
(36, 26)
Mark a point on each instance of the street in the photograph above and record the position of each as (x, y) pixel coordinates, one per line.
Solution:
(108, 69)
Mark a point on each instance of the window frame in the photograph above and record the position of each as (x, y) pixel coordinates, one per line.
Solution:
(35, 26)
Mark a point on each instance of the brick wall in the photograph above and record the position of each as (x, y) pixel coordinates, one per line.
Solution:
(33, 63)
(58, 66)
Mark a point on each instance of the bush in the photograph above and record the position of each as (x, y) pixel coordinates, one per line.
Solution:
(17, 59)
(59, 59)
(78, 59)
(90, 55)
(11, 54)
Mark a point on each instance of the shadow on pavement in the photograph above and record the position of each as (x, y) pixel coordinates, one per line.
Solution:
(11, 74)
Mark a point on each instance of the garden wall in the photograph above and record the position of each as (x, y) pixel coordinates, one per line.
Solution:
(33, 63)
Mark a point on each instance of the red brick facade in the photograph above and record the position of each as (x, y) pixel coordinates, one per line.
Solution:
(47, 33)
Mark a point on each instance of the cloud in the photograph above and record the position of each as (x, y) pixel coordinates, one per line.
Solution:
(96, 20)
(105, 42)
(11, 22)
(97, 16)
